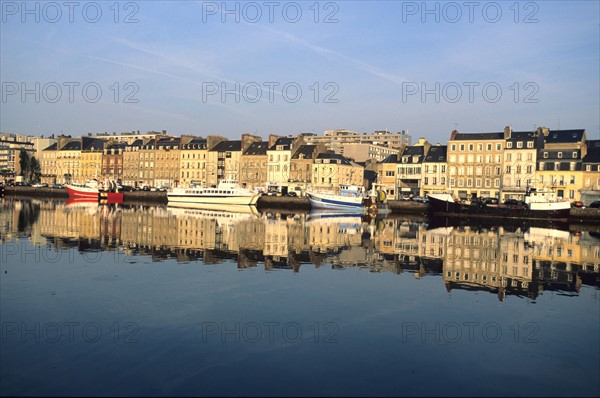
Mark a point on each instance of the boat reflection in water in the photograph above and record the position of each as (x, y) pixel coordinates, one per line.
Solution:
(520, 260)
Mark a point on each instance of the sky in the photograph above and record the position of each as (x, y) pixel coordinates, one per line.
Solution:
(285, 67)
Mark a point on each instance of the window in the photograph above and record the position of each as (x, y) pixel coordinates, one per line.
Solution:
(588, 168)
(498, 147)
(453, 147)
(529, 169)
(489, 147)
(520, 144)
(574, 155)
(509, 144)
(390, 173)
(560, 155)
(462, 147)
(470, 147)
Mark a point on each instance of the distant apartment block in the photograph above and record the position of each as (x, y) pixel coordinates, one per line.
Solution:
(334, 139)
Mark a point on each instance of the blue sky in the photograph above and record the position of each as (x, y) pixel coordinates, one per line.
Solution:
(534, 64)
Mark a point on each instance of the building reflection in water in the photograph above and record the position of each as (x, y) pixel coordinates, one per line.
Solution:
(503, 260)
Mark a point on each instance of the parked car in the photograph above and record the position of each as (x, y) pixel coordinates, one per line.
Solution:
(146, 188)
(595, 204)
(490, 201)
(421, 199)
(292, 194)
(126, 188)
(38, 185)
(405, 197)
(57, 186)
(577, 203)
(163, 189)
(515, 203)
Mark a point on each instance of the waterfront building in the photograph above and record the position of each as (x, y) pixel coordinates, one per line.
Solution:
(278, 164)
(301, 165)
(331, 169)
(225, 157)
(520, 156)
(434, 170)
(475, 164)
(131, 163)
(386, 175)
(192, 164)
(254, 166)
(559, 162)
(590, 190)
(10, 148)
(167, 162)
(91, 159)
(146, 157)
(48, 164)
(409, 174)
(112, 160)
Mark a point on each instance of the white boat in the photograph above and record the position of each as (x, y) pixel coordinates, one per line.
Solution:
(349, 197)
(546, 200)
(226, 193)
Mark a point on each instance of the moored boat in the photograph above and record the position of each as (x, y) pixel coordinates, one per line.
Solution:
(227, 192)
(105, 193)
(347, 197)
(541, 203)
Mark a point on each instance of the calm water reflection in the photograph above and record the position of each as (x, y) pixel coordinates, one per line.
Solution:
(100, 300)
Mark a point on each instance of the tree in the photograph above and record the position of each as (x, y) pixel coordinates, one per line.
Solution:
(34, 170)
(24, 163)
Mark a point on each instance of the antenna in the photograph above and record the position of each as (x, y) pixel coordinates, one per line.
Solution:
(558, 124)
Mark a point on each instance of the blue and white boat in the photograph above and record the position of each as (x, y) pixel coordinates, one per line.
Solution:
(348, 197)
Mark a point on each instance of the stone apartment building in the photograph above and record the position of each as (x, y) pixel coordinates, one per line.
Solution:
(475, 163)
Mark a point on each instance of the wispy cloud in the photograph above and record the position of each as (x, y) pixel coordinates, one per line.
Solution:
(332, 54)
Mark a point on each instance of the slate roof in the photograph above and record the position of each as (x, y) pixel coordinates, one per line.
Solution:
(306, 150)
(228, 146)
(436, 154)
(337, 156)
(593, 155)
(51, 147)
(479, 136)
(167, 143)
(196, 143)
(392, 159)
(257, 148)
(285, 141)
(564, 136)
(72, 146)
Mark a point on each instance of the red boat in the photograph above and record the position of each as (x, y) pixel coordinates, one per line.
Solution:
(91, 190)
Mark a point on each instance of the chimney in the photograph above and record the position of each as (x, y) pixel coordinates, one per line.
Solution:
(507, 132)
(453, 135)
(272, 139)
(213, 140)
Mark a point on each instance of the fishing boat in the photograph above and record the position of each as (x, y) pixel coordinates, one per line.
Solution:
(542, 203)
(91, 189)
(347, 197)
(227, 192)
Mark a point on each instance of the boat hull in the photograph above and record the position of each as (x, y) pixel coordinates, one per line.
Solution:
(445, 205)
(334, 202)
(81, 192)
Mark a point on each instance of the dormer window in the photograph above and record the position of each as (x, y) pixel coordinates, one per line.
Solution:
(545, 155)
(529, 144)
(509, 144)
(574, 155)
(520, 144)
(405, 159)
(560, 155)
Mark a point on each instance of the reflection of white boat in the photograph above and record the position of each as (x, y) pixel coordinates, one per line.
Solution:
(348, 223)
(226, 193)
(231, 213)
(201, 208)
(541, 234)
